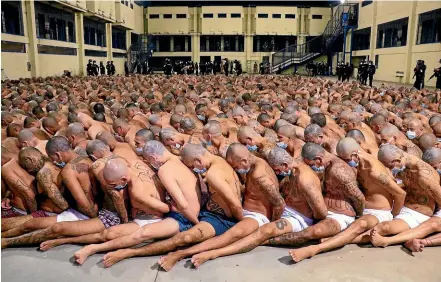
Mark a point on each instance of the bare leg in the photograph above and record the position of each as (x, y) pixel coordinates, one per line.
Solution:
(246, 244)
(417, 245)
(12, 222)
(73, 228)
(392, 227)
(165, 228)
(200, 232)
(359, 226)
(95, 238)
(30, 225)
(428, 227)
(238, 231)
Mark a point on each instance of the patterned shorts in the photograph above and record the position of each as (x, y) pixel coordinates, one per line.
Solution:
(108, 218)
(12, 212)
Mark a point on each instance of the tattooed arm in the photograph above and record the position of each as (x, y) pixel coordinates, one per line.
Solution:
(74, 186)
(225, 192)
(398, 194)
(140, 195)
(119, 204)
(271, 191)
(25, 191)
(346, 181)
(313, 194)
(44, 178)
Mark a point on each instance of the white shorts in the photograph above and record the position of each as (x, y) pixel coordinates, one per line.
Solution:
(342, 219)
(143, 220)
(71, 215)
(411, 217)
(438, 213)
(381, 215)
(298, 221)
(260, 218)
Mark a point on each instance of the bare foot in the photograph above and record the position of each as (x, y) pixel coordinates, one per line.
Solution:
(415, 245)
(83, 254)
(303, 253)
(378, 240)
(114, 257)
(201, 258)
(46, 245)
(168, 261)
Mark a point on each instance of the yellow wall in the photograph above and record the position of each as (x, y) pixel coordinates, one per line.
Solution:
(316, 27)
(14, 65)
(277, 26)
(217, 25)
(54, 65)
(168, 26)
(139, 17)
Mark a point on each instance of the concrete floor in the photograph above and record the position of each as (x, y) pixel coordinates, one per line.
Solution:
(351, 263)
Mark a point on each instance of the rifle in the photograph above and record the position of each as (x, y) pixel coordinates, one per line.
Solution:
(434, 73)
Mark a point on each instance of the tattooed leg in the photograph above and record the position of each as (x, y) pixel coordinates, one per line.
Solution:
(430, 226)
(9, 223)
(238, 231)
(246, 244)
(30, 225)
(200, 232)
(417, 245)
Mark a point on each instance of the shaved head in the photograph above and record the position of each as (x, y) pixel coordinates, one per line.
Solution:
(31, 159)
(192, 151)
(288, 131)
(426, 141)
(356, 134)
(246, 132)
(96, 146)
(388, 153)
(237, 151)
(75, 129)
(346, 147)
(115, 170)
(310, 151)
(153, 148)
(279, 156)
(432, 156)
(213, 128)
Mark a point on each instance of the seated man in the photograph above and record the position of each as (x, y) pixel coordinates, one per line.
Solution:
(77, 137)
(391, 135)
(220, 213)
(118, 148)
(27, 139)
(314, 133)
(182, 196)
(380, 191)
(254, 142)
(81, 185)
(126, 131)
(304, 202)
(358, 136)
(93, 127)
(422, 187)
(212, 137)
(428, 140)
(141, 137)
(261, 200)
(287, 139)
(174, 140)
(414, 236)
(267, 133)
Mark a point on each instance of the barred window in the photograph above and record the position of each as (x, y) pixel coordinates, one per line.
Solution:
(362, 39)
(392, 34)
(429, 27)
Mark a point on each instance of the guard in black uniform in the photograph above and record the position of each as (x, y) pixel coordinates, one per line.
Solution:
(339, 70)
(102, 68)
(238, 67)
(108, 68)
(419, 73)
(437, 74)
(168, 68)
(112, 68)
(371, 71)
(89, 68)
(363, 72)
(95, 68)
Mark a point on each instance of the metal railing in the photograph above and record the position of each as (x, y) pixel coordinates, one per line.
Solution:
(300, 53)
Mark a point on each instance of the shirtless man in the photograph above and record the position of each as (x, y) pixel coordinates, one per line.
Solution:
(240, 116)
(77, 137)
(414, 238)
(126, 131)
(52, 127)
(358, 136)
(391, 135)
(380, 192)
(51, 200)
(355, 121)
(428, 140)
(212, 137)
(329, 129)
(174, 140)
(182, 197)
(93, 127)
(136, 115)
(314, 133)
(304, 202)
(141, 137)
(81, 185)
(423, 189)
(254, 142)
(118, 148)
(222, 210)
(377, 123)
(27, 139)
(287, 139)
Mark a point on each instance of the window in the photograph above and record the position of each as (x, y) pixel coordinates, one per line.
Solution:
(94, 33)
(118, 38)
(131, 5)
(11, 17)
(366, 2)
(377, 57)
(263, 43)
(235, 16)
(154, 16)
(94, 53)
(362, 39)
(208, 16)
(126, 3)
(290, 16)
(55, 50)
(13, 47)
(222, 16)
(164, 44)
(179, 43)
(317, 17)
(181, 16)
(167, 16)
(119, 55)
(234, 43)
(392, 34)
(53, 23)
(277, 16)
(262, 16)
(429, 27)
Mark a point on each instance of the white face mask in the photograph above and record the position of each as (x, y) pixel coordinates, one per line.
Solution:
(177, 146)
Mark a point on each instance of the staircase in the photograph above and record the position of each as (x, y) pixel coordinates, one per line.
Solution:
(139, 52)
(345, 15)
